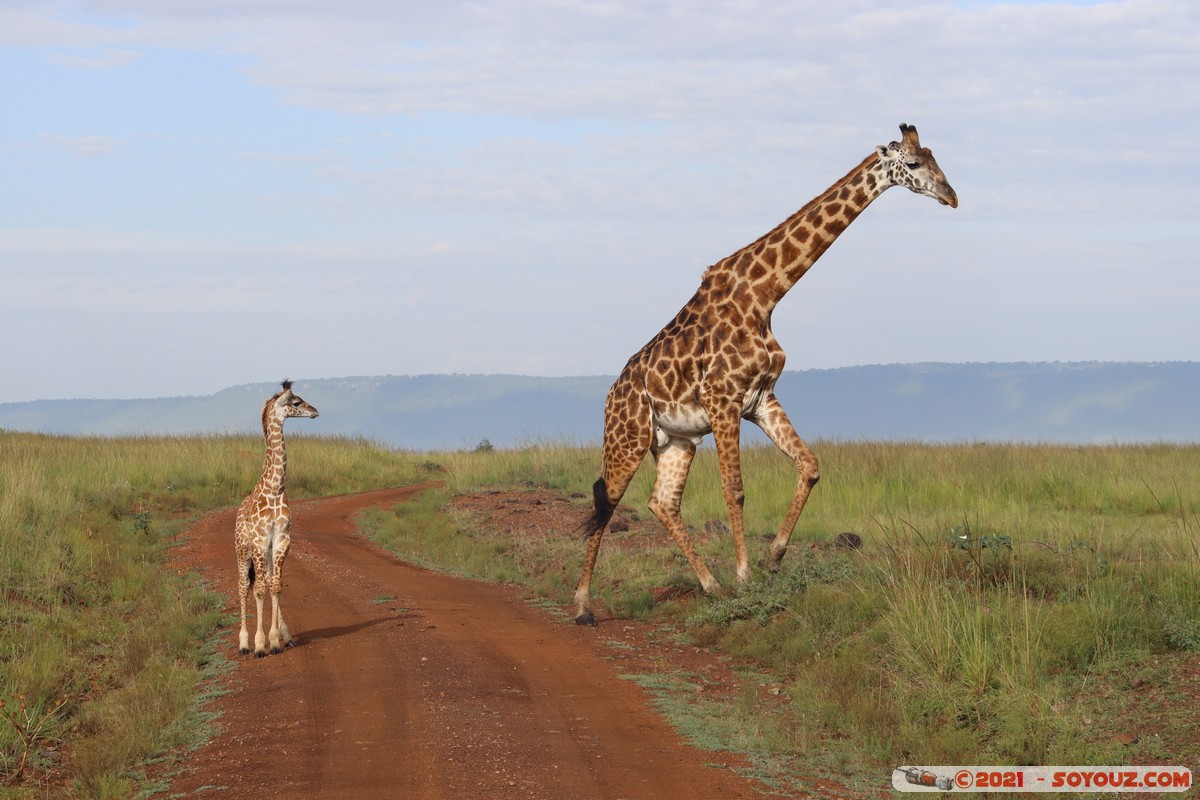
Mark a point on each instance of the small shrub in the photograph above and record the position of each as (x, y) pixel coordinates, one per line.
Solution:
(1181, 633)
(762, 598)
(631, 605)
(141, 522)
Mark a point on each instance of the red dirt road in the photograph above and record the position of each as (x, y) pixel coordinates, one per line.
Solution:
(451, 689)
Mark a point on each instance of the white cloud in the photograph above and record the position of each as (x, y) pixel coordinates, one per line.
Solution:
(675, 61)
(85, 146)
(286, 158)
(114, 58)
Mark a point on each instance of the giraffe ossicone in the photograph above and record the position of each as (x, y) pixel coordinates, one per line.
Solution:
(717, 362)
(262, 533)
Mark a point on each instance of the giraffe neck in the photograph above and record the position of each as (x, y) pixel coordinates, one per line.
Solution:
(275, 462)
(776, 261)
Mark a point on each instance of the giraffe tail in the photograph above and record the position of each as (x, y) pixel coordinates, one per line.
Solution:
(603, 512)
(250, 570)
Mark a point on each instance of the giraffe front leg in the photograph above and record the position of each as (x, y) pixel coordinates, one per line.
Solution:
(280, 636)
(260, 637)
(726, 427)
(775, 423)
(284, 634)
(672, 463)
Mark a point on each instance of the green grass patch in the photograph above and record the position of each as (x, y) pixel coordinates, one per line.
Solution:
(420, 533)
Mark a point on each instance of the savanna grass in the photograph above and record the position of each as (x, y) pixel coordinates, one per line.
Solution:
(997, 588)
(998, 585)
(89, 614)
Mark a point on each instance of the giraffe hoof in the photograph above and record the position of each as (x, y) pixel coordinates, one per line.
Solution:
(260, 653)
(244, 651)
(290, 643)
(586, 618)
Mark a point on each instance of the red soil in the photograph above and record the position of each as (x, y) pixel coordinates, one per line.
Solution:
(411, 684)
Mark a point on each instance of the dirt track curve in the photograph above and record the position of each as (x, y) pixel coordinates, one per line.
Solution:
(454, 689)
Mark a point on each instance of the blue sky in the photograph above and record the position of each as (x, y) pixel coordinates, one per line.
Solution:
(200, 194)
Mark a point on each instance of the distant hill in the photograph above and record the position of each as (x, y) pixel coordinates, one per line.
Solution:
(1088, 402)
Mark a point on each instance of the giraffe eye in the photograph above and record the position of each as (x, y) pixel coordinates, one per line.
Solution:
(912, 164)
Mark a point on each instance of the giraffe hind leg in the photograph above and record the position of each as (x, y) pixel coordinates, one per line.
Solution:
(672, 463)
(584, 615)
(628, 432)
(604, 508)
(245, 568)
(607, 493)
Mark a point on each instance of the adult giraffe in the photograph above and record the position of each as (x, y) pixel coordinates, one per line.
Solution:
(717, 361)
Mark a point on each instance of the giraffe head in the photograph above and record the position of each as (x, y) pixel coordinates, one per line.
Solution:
(285, 404)
(907, 163)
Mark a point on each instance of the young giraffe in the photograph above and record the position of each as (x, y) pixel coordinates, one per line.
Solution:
(717, 362)
(263, 530)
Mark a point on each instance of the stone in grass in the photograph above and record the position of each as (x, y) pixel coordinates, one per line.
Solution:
(848, 540)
